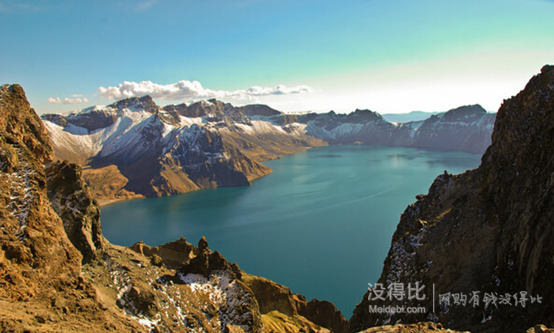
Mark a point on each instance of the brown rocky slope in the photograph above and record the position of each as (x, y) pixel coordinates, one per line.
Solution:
(488, 231)
(58, 273)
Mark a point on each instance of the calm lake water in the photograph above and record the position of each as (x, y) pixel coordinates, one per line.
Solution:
(321, 224)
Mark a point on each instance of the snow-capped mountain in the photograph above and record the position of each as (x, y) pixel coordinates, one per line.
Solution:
(467, 129)
(145, 150)
(135, 148)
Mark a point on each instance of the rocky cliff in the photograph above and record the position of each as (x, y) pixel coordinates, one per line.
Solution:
(59, 274)
(481, 239)
(42, 287)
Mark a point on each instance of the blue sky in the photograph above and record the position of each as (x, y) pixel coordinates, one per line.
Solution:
(388, 56)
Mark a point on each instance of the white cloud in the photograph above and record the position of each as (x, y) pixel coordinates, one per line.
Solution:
(278, 90)
(78, 99)
(184, 89)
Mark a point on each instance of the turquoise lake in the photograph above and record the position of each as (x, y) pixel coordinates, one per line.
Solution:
(320, 224)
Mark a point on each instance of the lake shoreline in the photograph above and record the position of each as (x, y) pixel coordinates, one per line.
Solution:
(330, 197)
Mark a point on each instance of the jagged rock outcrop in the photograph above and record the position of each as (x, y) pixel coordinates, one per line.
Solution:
(24, 147)
(488, 230)
(76, 207)
(245, 302)
(205, 261)
(272, 304)
(276, 300)
(172, 255)
(21, 126)
(58, 273)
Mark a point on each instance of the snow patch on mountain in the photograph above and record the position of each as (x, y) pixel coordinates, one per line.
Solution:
(73, 138)
(88, 110)
(188, 121)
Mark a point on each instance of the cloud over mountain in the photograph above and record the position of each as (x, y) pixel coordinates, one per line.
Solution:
(192, 90)
(75, 99)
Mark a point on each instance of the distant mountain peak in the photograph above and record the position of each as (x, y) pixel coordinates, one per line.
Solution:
(259, 110)
(145, 103)
(464, 113)
(368, 115)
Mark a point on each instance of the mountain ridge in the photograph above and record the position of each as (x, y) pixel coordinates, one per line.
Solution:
(147, 151)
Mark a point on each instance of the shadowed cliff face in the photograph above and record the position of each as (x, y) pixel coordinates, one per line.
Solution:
(488, 230)
(519, 182)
